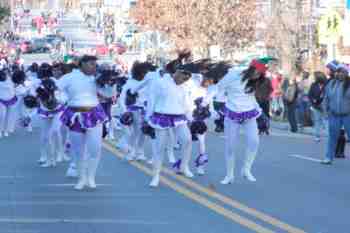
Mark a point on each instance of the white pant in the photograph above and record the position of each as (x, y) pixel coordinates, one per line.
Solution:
(232, 130)
(136, 137)
(7, 118)
(162, 138)
(51, 138)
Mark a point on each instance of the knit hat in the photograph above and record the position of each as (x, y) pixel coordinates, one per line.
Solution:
(333, 65)
(261, 64)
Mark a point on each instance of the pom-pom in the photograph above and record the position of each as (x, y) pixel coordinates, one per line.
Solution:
(198, 127)
(3, 76)
(148, 130)
(219, 125)
(24, 121)
(127, 118)
(201, 113)
(263, 124)
(30, 101)
(130, 98)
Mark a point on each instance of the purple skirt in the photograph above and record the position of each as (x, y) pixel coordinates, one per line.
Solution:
(9, 102)
(49, 114)
(241, 117)
(81, 121)
(164, 121)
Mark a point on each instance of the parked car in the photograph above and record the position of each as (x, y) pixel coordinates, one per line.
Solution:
(40, 45)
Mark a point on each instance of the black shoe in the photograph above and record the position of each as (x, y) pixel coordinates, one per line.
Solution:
(340, 156)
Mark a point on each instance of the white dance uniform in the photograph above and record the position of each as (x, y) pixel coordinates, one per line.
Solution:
(241, 111)
(8, 101)
(169, 109)
(85, 127)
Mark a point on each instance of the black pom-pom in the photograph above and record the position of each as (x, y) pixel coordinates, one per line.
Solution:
(30, 101)
(3, 76)
(130, 98)
(198, 127)
(201, 113)
(263, 124)
(127, 118)
(18, 77)
(49, 85)
(219, 125)
(148, 130)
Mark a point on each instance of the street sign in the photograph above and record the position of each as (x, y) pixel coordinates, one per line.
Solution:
(330, 27)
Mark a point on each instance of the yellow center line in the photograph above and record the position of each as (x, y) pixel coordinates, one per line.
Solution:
(196, 197)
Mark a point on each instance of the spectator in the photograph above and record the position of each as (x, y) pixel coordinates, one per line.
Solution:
(337, 105)
(315, 95)
(303, 103)
(277, 106)
(263, 94)
(290, 100)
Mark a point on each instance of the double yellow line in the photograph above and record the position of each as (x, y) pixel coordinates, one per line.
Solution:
(215, 195)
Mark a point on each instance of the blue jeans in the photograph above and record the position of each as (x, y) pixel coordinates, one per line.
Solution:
(319, 121)
(335, 124)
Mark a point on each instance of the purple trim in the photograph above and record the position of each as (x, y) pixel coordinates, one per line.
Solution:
(176, 166)
(9, 102)
(167, 120)
(87, 119)
(49, 114)
(241, 117)
(201, 160)
(134, 108)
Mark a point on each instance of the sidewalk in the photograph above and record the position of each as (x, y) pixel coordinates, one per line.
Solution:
(285, 127)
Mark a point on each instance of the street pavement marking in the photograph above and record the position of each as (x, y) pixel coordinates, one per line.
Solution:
(69, 185)
(197, 198)
(224, 199)
(306, 158)
(89, 220)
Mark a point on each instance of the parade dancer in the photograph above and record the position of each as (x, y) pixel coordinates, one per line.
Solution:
(8, 100)
(84, 116)
(168, 109)
(146, 84)
(133, 105)
(202, 97)
(107, 95)
(49, 111)
(241, 111)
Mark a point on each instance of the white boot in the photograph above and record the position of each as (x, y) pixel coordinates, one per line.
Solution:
(6, 134)
(187, 172)
(201, 170)
(157, 166)
(171, 156)
(184, 167)
(72, 171)
(230, 166)
(92, 168)
(246, 171)
(82, 170)
(141, 157)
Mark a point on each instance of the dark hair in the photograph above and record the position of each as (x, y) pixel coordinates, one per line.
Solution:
(320, 77)
(252, 84)
(216, 71)
(34, 67)
(45, 71)
(18, 77)
(139, 70)
(87, 58)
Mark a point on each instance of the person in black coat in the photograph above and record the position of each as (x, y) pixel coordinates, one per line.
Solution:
(315, 95)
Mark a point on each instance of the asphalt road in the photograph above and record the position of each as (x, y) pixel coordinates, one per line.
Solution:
(294, 193)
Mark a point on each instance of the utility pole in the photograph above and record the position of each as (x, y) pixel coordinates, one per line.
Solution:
(12, 9)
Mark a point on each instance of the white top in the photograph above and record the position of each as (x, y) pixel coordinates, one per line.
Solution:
(107, 91)
(168, 98)
(132, 84)
(237, 99)
(80, 89)
(7, 89)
